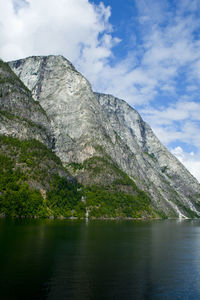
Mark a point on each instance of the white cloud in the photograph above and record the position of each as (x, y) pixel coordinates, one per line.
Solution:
(81, 31)
(179, 111)
(68, 27)
(188, 133)
(178, 122)
(166, 55)
(190, 160)
(166, 58)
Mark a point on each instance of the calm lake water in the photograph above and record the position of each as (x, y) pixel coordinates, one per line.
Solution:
(62, 259)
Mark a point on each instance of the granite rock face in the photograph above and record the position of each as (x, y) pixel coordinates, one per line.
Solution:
(68, 100)
(28, 166)
(85, 124)
(20, 115)
(159, 172)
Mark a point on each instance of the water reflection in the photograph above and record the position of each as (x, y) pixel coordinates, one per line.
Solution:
(99, 259)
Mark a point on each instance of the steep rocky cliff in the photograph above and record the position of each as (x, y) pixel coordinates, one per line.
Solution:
(104, 142)
(30, 172)
(20, 115)
(159, 171)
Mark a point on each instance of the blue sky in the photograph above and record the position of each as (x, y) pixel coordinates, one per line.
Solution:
(146, 52)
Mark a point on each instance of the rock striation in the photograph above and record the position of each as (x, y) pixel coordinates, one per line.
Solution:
(158, 171)
(84, 125)
(20, 115)
(33, 181)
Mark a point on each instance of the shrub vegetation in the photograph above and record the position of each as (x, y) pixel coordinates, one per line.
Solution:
(27, 167)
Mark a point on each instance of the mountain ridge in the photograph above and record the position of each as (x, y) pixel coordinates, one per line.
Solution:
(85, 125)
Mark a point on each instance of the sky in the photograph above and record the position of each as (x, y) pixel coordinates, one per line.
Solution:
(146, 52)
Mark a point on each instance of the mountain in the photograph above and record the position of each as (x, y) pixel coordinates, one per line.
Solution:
(30, 173)
(105, 145)
(20, 115)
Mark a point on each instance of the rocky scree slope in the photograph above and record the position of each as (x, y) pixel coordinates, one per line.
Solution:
(104, 142)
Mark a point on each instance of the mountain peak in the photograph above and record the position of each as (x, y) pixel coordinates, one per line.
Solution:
(43, 59)
(97, 136)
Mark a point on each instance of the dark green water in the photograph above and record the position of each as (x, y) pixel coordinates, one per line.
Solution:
(49, 259)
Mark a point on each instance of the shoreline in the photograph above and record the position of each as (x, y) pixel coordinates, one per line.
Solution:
(93, 218)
